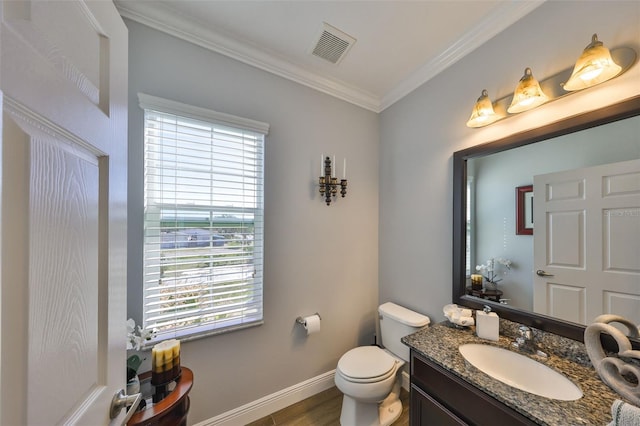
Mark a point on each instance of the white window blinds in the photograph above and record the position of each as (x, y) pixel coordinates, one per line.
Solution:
(203, 220)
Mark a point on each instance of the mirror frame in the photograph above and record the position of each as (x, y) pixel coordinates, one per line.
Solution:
(625, 109)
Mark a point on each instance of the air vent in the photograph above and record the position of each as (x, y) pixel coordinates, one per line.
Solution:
(332, 44)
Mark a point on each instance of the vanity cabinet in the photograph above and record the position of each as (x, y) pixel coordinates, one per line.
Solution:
(438, 397)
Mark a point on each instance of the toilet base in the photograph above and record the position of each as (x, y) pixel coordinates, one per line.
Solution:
(391, 408)
(356, 413)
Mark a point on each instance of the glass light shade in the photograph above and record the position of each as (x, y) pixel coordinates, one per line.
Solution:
(593, 67)
(483, 113)
(528, 94)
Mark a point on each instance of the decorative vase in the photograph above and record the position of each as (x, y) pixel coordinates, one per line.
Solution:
(490, 286)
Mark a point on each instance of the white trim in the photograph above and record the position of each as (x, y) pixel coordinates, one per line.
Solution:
(172, 107)
(406, 381)
(153, 15)
(271, 403)
(277, 401)
(501, 18)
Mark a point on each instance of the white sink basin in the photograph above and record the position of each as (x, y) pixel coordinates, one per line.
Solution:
(520, 372)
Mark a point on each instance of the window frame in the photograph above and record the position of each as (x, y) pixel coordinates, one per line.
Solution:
(154, 104)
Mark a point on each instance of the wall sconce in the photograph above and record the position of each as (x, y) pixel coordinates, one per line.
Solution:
(528, 94)
(596, 65)
(328, 182)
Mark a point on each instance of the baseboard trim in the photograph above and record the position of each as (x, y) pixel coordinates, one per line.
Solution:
(277, 401)
(271, 403)
(406, 381)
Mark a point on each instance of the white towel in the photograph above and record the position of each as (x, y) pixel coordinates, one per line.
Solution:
(466, 321)
(624, 414)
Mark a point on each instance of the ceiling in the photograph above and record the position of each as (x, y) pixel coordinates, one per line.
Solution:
(399, 44)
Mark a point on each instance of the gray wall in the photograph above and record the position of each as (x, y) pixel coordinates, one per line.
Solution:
(419, 134)
(497, 176)
(317, 258)
(390, 239)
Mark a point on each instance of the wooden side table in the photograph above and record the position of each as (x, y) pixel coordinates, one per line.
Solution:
(172, 410)
(493, 295)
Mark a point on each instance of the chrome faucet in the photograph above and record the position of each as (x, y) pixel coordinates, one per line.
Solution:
(524, 340)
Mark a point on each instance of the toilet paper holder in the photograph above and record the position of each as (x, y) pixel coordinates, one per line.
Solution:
(301, 320)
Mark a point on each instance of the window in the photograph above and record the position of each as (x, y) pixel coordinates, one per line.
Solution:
(203, 220)
(470, 238)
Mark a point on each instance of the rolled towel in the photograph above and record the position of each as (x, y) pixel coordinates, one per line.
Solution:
(465, 312)
(466, 321)
(447, 309)
(624, 414)
(456, 318)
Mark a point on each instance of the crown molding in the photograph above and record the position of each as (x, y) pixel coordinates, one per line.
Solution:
(162, 18)
(503, 16)
(153, 15)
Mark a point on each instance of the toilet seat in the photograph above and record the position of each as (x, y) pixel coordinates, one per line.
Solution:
(367, 364)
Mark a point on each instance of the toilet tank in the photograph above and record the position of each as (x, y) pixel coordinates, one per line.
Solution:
(397, 322)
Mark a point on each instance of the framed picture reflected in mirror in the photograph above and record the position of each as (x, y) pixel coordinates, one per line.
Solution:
(524, 210)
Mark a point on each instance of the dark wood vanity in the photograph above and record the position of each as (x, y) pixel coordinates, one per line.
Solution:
(448, 390)
(440, 398)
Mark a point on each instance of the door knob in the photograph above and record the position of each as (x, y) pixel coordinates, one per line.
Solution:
(542, 273)
(122, 400)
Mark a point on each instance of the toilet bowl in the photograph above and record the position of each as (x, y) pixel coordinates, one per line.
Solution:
(370, 377)
(366, 376)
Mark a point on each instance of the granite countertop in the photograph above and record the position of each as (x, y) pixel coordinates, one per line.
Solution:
(439, 343)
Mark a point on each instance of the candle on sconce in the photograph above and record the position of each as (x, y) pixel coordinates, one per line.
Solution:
(333, 169)
(321, 164)
(344, 168)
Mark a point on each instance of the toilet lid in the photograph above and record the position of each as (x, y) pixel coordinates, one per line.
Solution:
(366, 362)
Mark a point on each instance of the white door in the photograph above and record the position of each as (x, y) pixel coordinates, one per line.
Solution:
(63, 76)
(587, 239)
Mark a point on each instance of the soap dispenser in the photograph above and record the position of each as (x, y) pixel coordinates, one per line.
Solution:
(487, 324)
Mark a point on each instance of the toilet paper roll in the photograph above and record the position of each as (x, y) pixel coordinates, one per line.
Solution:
(312, 324)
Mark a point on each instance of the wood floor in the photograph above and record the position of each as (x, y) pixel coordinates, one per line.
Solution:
(322, 409)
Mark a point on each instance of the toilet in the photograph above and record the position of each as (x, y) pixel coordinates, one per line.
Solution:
(370, 377)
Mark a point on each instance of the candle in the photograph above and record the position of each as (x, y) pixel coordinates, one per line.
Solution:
(165, 361)
(344, 169)
(476, 277)
(321, 164)
(333, 169)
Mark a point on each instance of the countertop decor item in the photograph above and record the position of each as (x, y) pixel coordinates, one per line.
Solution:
(624, 414)
(489, 270)
(461, 317)
(136, 337)
(622, 372)
(487, 324)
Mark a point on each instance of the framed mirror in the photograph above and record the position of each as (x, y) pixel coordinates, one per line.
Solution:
(464, 164)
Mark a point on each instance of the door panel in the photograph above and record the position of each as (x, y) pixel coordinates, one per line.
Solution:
(588, 238)
(63, 224)
(63, 278)
(566, 242)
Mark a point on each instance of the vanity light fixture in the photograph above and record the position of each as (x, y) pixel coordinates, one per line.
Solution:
(594, 66)
(528, 94)
(483, 113)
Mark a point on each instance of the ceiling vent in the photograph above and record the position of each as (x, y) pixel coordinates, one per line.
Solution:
(332, 44)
